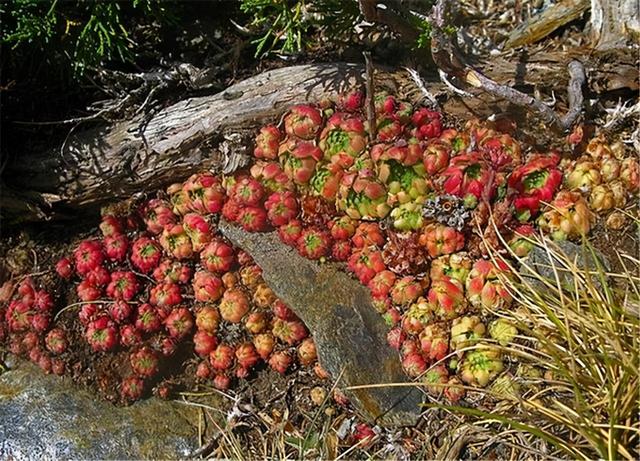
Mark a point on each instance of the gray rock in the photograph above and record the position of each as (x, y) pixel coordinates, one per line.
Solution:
(542, 263)
(350, 335)
(46, 417)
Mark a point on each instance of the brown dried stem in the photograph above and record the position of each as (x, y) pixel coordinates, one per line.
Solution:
(449, 59)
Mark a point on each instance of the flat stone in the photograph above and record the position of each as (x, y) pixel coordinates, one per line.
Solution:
(350, 335)
(46, 417)
(544, 264)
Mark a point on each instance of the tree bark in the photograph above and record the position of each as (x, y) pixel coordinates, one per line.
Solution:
(110, 162)
(614, 23)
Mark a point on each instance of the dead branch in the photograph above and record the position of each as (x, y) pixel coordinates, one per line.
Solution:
(450, 60)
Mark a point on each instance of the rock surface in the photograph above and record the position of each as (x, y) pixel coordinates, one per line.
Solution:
(350, 336)
(46, 417)
(542, 263)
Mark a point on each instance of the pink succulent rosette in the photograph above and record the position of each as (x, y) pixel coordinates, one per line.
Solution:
(534, 182)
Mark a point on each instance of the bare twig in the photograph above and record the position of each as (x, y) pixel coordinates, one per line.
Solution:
(370, 103)
(449, 59)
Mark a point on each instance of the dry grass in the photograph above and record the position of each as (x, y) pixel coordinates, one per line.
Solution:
(579, 341)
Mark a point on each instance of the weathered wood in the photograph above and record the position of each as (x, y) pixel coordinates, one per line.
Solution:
(109, 162)
(614, 23)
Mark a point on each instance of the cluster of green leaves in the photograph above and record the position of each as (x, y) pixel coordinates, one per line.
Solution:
(85, 33)
(285, 26)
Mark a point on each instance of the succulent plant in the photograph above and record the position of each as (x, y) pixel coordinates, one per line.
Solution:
(406, 291)
(568, 216)
(502, 331)
(165, 294)
(205, 192)
(299, 159)
(534, 182)
(145, 254)
(131, 388)
(264, 344)
(144, 362)
(500, 150)
(289, 331)
(435, 379)
(630, 174)
(481, 366)
(271, 176)
(342, 228)
(281, 207)
(448, 210)
(158, 215)
(64, 267)
(407, 217)
(179, 323)
(468, 177)
(365, 264)
(222, 357)
(234, 305)
(434, 341)
(584, 175)
(466, 331)
(198, 230)
(455, 266)
(207, 287)
(303, 121)
(246, 355)
(267, 142)
(290, 233)
(56, 341)
(484, 287)
(252, 219)
(314, 243)
(362, 196)
(147, 319)
(101, 334)
(325, 182)
(427, 123)
(441, 240)
(418, 316)
(368, 234)
(88, 255)
(446, 295)
(280, 361)
(344, 138)
(381, 284)
(414, 364)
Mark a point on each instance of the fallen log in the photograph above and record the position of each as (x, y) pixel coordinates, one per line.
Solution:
(112, 162)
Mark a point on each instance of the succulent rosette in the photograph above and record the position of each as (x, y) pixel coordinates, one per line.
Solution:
(362, 196)
(281, 207)
(521, 242)
(458, 140)
(466, 331)
(267, 142)
(207, 287)
(484, 287)
(247, 191)
(365, 264)
(172, 271)
(271, 176)
(176, 242)
(344, 138)
(299, 159)
(456, 266)
(427, 123)
(198, 229)
(205, 192)
(502, 331)
(435, 156)
(446, 296)
(145, 254)
(630, 174)
(88, 255)
(403, 176)
(314, 243)
(388, 128)
(217, 256)
(434, 341)
(440, 240)
(407, 217)
(501, 151)
(469, 177)
(584, 175)
(435, 379)
(534, 182)
(481, 366)
(325, 183)
(180, 201)
(342, 228)
(303, 121)
(123, 285)
(567, 216)
(252, 219)
(417, 317)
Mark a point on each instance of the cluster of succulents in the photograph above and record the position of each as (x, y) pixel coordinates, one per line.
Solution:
(405, 208)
